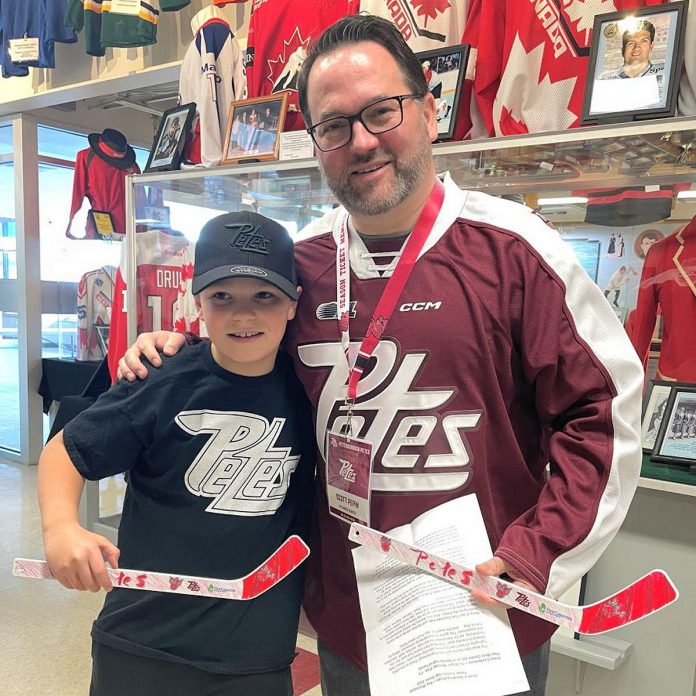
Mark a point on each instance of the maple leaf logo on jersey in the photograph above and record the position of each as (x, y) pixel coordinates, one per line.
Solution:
(582, 14)
(526, 104)
(283, 71)
(429, 8)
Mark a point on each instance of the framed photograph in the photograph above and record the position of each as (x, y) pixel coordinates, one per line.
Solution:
(635, 64)
(444, 70)
(676, 440)
(253, 129)
(654, 407)
(168, 146)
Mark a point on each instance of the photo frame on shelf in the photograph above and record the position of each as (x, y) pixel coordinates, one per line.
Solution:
(253, 129)
(168, 146)
(676, 440)
(654, 407)
(444, 70)
(635, 64)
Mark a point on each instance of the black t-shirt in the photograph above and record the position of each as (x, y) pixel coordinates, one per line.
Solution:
(219, 471)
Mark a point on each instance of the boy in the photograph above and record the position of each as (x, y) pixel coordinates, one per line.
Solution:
(218, 450)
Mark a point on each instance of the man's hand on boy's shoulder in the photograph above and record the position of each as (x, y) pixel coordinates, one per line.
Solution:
(148, 345)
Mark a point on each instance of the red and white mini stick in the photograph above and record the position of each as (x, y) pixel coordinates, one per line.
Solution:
(289, 556)
(640, 599)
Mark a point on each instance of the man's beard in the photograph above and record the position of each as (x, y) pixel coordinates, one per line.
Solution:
(408, 174)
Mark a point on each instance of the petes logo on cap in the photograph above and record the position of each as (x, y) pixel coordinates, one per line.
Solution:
(249, 238)
(249, 270)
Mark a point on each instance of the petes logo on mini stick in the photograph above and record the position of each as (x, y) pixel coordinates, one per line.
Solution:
(239, 467)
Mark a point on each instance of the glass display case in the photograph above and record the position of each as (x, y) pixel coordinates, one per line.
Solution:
(611, 192)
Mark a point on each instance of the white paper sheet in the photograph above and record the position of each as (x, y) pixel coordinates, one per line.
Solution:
(426, 636)
(610, 96)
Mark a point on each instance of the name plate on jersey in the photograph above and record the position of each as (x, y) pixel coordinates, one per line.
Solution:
(103, 223)
(23, 50)
(296, 145)
(125, 7)
(348, 470)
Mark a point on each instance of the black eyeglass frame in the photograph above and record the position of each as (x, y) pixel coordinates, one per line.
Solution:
(359, 117)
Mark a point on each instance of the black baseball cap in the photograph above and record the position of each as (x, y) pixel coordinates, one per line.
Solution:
(245, 245)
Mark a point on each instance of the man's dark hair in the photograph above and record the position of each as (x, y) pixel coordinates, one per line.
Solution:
(643, 25)
(356, 29)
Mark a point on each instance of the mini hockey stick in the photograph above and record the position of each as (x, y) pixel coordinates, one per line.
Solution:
(645, 596)
(277, 567)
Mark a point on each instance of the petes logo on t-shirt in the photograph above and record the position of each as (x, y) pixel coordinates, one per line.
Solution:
(239, 467)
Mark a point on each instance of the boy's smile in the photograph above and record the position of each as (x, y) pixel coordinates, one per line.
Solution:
(245, 319)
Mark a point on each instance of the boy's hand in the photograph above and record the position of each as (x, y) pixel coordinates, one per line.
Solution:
(149, 345)
(496, 566)
(76, 557)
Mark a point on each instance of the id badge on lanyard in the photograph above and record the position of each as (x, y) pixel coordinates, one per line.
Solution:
(349, 458)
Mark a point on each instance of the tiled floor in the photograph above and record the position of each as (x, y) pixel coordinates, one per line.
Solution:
(44, 628)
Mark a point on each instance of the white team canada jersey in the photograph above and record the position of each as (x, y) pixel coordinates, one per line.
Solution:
(212, 76)
(532, 60)
(94, 298)
(164, 263)
(425, 24)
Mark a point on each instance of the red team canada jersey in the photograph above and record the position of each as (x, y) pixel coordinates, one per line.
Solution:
(532, 60)
(165, 262)
(280, 32)
(491, 341)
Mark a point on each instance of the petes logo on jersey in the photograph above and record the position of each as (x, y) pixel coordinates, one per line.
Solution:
(400, 417)
(239, 467)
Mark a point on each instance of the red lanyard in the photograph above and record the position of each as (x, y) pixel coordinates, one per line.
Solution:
(391, 293)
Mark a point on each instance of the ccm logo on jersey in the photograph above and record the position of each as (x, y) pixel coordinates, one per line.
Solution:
(419, 306)
(240, 467)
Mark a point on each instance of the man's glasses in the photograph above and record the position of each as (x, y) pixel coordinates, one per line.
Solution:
(379, 117)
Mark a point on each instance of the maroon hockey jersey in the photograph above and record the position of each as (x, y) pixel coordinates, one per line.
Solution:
(669, 281)
(280, 32)
(531, 62)
(501, 356)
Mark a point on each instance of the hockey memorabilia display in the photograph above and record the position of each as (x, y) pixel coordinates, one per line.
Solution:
(635, 64)
(641, 598)
(654, 406)
(531, 60)
(668, 282)
(253, 129)
(100, 176)
(95, 293)
(168, 146)
(273, 570)
(28, 32)
(686, 102)
(280, 33)
(164, 261)
(676, 440)
(103, 223)
(212, 76)
(444, 70)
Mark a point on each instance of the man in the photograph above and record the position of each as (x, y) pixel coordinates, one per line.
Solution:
(500, 356)
(636, 46)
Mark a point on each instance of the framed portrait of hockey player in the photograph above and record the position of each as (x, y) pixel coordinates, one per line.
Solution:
(168, 146)
(253, 129)
(444, 70)
(676, 440)
(635, 64)
(654, 408)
